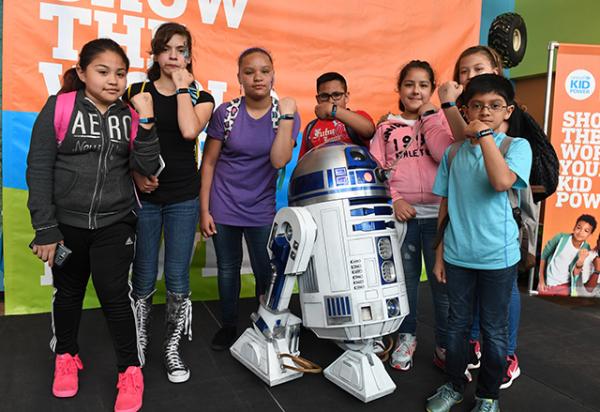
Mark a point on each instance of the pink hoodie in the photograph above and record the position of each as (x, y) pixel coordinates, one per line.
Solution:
(415, 170)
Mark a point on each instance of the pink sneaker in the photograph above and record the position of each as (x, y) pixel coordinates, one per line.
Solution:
(511, 372)
(66, 381)
(131, 390)
(474, 354)
(439, 358)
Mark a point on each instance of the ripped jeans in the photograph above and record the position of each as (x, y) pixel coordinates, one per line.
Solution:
(418, 245)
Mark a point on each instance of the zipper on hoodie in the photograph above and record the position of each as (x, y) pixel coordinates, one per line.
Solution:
(101, 170)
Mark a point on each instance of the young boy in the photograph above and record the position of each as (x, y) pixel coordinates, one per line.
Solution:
(334, 121)
(564, 256)
(480, 248)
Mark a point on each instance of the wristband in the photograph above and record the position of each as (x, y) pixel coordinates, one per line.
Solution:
(483, 133)
(428, 113)
(287, 116)
(182, 90)
(333, 110)
(147, 120)
(578, 267)
(448, 105)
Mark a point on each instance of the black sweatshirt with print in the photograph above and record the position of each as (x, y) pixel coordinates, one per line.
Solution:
(85, 181)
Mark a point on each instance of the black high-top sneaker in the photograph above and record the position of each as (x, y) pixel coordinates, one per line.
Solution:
(179, 323)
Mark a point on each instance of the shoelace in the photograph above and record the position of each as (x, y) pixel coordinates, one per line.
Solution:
(142, 308)
(127, 383)
(446, 393)
(184, 326)
(68, 365)
(486, 405)
(405, 347)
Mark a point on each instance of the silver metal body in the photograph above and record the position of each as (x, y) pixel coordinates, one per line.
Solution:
(341, 239)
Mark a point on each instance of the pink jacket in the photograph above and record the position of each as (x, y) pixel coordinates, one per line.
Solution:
(414, 159)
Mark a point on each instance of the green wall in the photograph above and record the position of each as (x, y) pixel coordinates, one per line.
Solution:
(566, 21)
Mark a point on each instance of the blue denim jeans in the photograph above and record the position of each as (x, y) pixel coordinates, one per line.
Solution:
(493, 287)
(514, 318)
(228, 248)
(418, 244)
(178, 221)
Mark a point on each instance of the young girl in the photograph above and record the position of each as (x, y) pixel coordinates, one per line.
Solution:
(472, 62)
(171, 206)
(81, 195)
(239, 171)
(411, 145)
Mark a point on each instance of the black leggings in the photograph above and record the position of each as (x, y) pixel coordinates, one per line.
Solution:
(106, 253)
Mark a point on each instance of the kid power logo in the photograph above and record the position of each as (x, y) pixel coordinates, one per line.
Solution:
(580, 84)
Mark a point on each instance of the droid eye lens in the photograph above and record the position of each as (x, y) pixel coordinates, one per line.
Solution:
(358, 155)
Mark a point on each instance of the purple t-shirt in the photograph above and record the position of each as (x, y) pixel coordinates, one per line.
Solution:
(244, 184)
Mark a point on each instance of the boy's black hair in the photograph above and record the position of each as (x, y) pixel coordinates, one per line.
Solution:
(589, 219)
(330, 76)
(489, 83)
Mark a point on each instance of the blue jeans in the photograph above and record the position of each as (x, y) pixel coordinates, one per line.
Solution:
(228, 248)
(514, 317)
(420, 236)
(179, 221)
(493, 287)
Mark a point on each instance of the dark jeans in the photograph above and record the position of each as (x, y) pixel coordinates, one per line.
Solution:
(514, 318)
(178, 221)
(106, 253)
(418, 245)
(228, 248)
(493, 288)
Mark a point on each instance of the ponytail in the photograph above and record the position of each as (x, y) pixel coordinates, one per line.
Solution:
(71, 81)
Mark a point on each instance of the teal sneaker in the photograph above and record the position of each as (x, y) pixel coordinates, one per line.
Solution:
(486, 405)
(444, 398)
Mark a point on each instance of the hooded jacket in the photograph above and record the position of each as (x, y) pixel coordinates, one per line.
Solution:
(413, 153)
(85, 181)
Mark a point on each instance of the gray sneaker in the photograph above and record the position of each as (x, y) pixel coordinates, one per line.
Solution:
(486, 405)
(444, 398)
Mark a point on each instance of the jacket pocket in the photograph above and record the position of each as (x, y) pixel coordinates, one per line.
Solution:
(64, 182)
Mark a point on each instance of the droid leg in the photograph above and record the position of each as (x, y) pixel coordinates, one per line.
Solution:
(361, 373)
(270, 345)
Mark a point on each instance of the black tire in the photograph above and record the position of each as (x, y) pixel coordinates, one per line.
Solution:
(508, 36)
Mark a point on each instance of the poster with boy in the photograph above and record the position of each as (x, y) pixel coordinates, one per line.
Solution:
(564, 258)
(569, 258)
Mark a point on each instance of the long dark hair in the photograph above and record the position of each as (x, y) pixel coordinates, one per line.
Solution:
(414, 64)
(163, 35)
(90, 50)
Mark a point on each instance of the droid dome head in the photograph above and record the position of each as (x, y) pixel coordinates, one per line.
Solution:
(335, 171)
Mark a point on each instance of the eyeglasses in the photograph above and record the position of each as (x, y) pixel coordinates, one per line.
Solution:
(324, 97)
(494, 107)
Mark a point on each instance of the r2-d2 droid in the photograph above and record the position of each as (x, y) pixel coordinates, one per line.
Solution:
(341, 241)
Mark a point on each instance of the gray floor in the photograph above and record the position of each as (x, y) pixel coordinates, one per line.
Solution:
(559, 350)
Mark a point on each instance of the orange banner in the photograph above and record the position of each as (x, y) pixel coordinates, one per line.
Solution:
(575, 135)
(366, 41)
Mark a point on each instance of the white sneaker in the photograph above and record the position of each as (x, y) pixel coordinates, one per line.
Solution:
(402, 356)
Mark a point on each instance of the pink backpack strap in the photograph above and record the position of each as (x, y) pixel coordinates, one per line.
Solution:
(65, 103)
(135, 123)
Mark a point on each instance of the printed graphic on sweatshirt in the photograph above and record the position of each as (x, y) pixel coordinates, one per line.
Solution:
(88, 129)
(402, 144)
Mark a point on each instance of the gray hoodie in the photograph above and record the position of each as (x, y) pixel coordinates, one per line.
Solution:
(85, 182)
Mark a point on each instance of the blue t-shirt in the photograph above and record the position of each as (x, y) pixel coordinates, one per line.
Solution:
(244, 183)
(482, 233)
